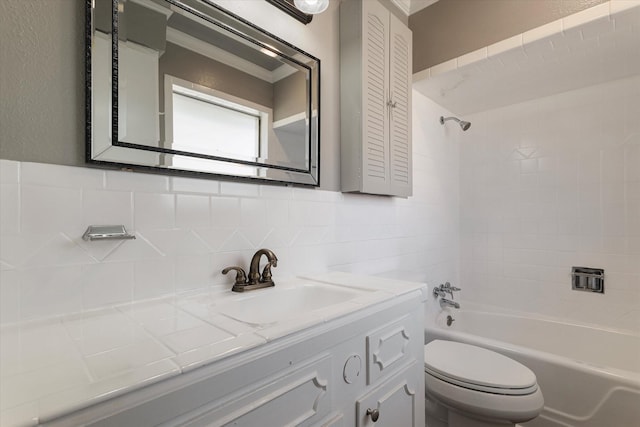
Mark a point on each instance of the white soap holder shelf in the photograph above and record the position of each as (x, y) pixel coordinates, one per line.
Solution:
(107, 232)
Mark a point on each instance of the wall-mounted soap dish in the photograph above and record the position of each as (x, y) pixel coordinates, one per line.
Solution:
(587, 279)
(107, 232)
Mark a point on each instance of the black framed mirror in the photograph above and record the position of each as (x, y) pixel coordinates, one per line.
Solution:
(288, 7)
(186, 87)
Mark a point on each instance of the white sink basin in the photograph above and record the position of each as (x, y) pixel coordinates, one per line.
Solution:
(274, 304)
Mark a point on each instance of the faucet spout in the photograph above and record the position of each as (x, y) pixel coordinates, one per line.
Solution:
(254, 268)
(448, 303)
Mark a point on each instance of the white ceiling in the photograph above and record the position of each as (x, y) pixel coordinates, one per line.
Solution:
(593, 46)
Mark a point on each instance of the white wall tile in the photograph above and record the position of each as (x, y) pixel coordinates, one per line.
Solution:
(153, 278)
(239, 189)
(106, 284)
(253, 212)
(100, 207)
(194, 272)
(61, 176)
(9, 296)
(225, 211)
(277, 212)
(9, 208)
(52, 209)
(50, 291)
(192, 185)
(129, 181)
(192, 211)
(59, 250)
(133, 250)
(276, 192)
(154, 210)
(9, 172)
(177, 242)
(313, 213)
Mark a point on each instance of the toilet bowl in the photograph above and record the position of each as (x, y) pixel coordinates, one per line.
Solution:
(469, 386)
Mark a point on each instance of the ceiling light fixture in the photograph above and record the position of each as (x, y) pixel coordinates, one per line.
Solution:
(312, 7)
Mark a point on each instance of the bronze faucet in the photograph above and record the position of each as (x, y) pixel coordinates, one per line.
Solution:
(255, 279)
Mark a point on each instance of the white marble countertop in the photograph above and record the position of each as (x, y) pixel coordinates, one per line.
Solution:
(52, 367)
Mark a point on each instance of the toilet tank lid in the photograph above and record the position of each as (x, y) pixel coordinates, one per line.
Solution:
(476, 365)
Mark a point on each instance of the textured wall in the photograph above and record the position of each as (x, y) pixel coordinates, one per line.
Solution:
(42, 81)
(450, 28)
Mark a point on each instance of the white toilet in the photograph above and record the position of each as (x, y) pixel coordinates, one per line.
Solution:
(469, 386)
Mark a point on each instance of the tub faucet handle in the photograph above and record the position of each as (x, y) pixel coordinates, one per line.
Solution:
(449, 289)
(439, 292)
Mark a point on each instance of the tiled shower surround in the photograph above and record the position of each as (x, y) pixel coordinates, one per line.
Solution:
(550, 184)
(188, 230)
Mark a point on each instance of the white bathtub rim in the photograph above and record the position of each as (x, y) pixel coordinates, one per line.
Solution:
(496, 310)
(629, 378)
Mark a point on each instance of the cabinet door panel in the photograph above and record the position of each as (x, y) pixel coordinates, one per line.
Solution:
(400, 112)
(387, 348)
(376, 72)
(395, 402)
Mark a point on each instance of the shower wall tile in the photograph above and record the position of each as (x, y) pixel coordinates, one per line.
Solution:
(572, 200)
(187, 230)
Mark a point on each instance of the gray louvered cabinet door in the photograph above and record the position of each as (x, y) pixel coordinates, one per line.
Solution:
(400, 111)
(375, 100)
(375, 80)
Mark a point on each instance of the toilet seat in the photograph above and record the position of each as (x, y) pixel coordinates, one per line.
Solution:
(478, 369)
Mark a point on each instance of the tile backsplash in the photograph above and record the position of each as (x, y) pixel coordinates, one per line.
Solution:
(550, 184)
(188, 230)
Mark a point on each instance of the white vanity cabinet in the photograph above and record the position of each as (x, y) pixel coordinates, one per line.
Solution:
(326, 375)
(375, 100)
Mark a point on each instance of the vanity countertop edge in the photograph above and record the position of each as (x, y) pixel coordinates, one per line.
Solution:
(53, 367)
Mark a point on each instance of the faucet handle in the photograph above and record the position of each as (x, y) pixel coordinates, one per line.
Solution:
(266, 271)
(439, 292)
(448, 288)
(241, 276)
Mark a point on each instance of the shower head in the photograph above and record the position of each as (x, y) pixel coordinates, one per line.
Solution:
(464, 125)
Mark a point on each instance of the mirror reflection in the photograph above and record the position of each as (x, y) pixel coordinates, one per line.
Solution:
(186, 86)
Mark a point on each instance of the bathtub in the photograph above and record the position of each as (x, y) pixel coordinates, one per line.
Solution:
(588, 376)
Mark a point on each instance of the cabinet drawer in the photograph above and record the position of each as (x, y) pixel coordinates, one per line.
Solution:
(387, 348)
(299, 397)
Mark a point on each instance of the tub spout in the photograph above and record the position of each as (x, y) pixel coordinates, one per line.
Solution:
(448, 303)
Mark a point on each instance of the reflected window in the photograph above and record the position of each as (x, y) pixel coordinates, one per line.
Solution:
(202, 120)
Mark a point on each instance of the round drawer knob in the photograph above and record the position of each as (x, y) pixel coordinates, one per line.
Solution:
(374, 414)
